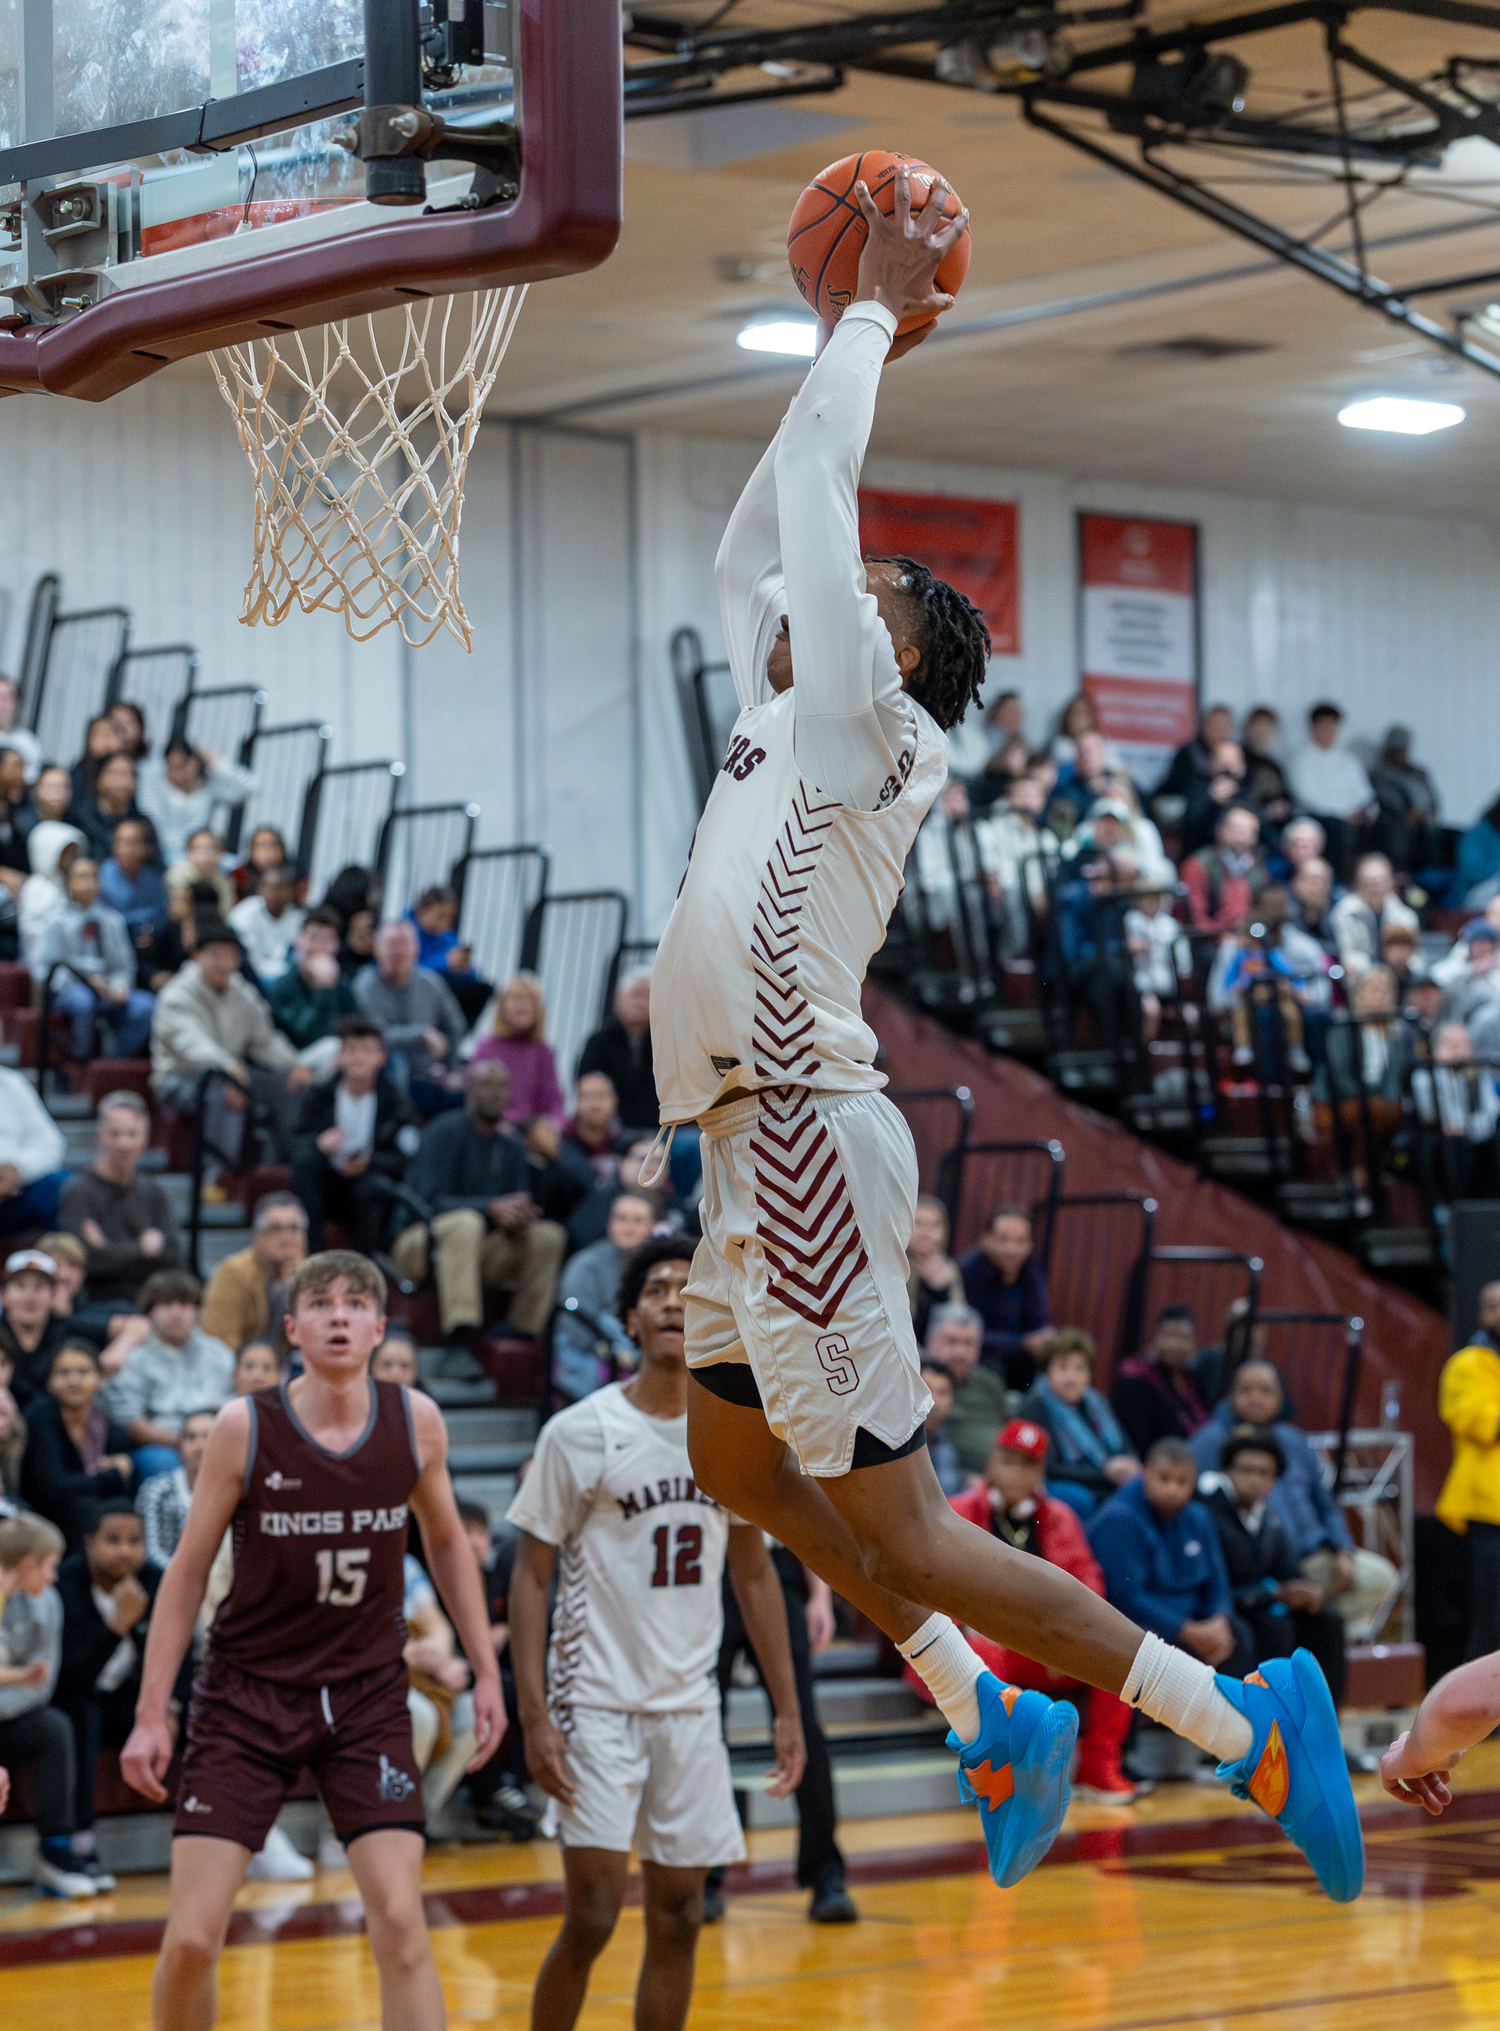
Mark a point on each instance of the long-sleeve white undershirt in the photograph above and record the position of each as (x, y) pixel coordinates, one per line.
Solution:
(792, 547)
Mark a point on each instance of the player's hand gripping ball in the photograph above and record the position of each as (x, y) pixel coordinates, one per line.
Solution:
(827, 233)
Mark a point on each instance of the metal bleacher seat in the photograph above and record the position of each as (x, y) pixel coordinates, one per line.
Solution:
(706, 699)
(344, 813)
(424, 846)
(66, 666)
(156, 680)
(1218, 1285)
(939, 1119)
(1096, 1269)
(574, 943)
(501, 887)
(1028, 1175)
(287, 760)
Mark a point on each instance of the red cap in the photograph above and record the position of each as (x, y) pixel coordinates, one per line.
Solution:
(1022, 1436)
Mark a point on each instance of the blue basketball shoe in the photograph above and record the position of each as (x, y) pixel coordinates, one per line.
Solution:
(1016, 1772)
(1295, 1768)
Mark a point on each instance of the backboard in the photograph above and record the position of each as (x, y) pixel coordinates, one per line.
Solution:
(178, 176)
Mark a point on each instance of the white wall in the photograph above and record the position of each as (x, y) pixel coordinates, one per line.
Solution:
(1395, 617)
(146, 500)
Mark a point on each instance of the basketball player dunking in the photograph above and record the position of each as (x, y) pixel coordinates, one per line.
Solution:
(807, 1409)
(317, 1478)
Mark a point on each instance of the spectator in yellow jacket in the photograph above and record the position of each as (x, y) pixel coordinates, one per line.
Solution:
(1469, 1403)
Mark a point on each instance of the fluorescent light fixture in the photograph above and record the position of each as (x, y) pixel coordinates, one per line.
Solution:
(1402, 413)
(795, 336)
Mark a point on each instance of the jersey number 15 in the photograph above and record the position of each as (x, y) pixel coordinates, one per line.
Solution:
(686, 1569)
(348, 1568)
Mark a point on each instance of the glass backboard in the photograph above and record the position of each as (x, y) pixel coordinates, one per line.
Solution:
(188, 173)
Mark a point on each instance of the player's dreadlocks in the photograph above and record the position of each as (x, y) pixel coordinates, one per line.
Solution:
(954, 641)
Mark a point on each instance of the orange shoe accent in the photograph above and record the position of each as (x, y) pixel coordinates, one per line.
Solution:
(1272, 1779)
(1009, 1694)
(990, 1784)
(1254, 1678)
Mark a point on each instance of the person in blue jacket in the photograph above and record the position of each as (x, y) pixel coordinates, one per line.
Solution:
(1006, 1284)
(1477, 864)
(1159, 1552)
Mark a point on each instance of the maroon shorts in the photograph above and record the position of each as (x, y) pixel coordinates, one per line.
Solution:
(248, 1738)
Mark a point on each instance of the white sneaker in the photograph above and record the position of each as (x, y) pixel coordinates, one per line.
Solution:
(331, 1853)
(55, 1882)
(278, 1861)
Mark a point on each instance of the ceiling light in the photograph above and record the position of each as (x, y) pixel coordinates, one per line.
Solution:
(795, 336)
(1402, 413)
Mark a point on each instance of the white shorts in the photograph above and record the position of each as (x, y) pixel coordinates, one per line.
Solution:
(808, 1200)
(657, 1782)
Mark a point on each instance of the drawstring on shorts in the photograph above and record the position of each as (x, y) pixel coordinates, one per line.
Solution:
(670, 1132)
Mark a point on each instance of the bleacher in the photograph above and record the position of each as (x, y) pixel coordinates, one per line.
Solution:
(953, 950)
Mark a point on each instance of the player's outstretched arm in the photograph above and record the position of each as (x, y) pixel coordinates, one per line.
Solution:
(530, 1590)
(757, 1588)
(1460, 1710)
(148, 1753)
(450, 1559)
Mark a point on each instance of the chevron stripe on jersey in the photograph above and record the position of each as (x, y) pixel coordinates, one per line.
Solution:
(782, 1026)
(807, 1226)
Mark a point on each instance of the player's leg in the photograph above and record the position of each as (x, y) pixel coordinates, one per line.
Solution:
(1275, 1732)
(206, 1873)
(912, 1543)
(595, 1889)
(387, 1866)
(609, 1764)
(672, 1901)
(687, 1825)
(738, 1460)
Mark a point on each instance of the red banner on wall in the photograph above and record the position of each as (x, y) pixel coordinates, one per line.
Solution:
(1139, 633)
(973, 544)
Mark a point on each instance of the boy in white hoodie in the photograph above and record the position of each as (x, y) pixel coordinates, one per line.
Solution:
(52, 847)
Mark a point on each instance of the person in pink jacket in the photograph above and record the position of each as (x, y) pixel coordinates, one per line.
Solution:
(518, 1040)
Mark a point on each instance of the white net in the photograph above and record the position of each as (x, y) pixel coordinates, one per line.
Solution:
(359, 467)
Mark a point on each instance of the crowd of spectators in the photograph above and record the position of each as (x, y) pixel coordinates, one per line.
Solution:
(418, 1113)
(1311, 909)
(1187, 1494)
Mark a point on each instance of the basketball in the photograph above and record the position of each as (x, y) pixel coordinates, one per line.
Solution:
(827, 232)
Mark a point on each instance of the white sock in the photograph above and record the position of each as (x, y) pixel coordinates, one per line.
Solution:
(1181, 1692)
(949, 1670)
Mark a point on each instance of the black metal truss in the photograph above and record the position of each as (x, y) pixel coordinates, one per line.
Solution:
(1352, 143)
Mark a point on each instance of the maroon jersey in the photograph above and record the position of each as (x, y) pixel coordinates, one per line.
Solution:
(319, 1540)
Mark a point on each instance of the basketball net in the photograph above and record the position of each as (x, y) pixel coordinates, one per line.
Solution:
(357, 506)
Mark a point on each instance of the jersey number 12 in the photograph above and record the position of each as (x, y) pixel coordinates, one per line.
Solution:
(686, 1569)
(348, 1568)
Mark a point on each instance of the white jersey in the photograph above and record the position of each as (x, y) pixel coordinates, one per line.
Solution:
(639, 1613)
(799, 856)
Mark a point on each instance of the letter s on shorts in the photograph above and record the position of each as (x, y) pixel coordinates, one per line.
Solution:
(833, 1353)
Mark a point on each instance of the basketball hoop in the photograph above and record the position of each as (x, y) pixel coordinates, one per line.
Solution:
(357, 505)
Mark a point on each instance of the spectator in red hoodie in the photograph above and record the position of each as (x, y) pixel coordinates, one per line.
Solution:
(1223, 880)
(1012, 1503)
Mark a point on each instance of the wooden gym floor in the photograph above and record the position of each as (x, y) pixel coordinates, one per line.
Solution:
(1187, 1910)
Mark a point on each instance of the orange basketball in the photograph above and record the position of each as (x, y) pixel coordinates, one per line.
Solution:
(827, 234)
